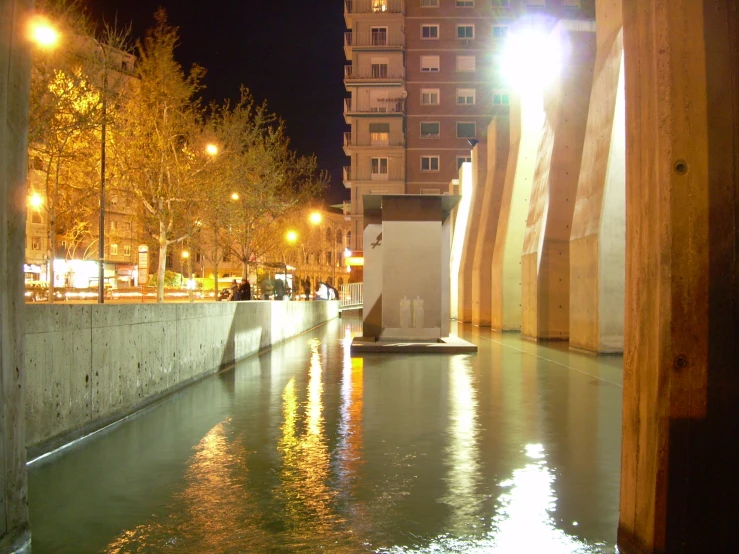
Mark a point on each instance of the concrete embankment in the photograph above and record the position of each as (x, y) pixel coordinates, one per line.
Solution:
(90, 365)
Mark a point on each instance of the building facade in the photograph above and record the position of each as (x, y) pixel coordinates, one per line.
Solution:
(423, 84)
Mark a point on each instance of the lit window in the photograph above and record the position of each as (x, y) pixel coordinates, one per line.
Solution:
(465, 63)
(429, 63)
(113, 249)
(429, 163)
(113, 225)
(429, 96)
(465, 96)
(500, 32)
(429, 129)
(465, 31)
(127, 250)
(379, 5)
(466, 130)
(429, 31)
(461, 160)
(379, 134)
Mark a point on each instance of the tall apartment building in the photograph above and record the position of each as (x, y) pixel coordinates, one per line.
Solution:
(423, 87)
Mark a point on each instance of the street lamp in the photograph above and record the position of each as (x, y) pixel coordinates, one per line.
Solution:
(101, 242)
(41, 32)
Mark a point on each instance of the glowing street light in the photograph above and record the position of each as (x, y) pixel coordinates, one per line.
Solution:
(35, 200)
(291, 237)
(234, 196)
(185, 254)
(532, 57)
(211, 149)
(41, 32)
(315, 218)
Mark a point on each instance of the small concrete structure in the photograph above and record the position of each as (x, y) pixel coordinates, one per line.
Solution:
(406, 274)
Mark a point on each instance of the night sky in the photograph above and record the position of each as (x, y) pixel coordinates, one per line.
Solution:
(286, 52)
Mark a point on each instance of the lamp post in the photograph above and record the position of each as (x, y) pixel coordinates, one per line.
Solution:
(101, 242)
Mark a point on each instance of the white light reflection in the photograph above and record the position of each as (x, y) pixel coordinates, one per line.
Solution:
(523, 522)
(463, 452)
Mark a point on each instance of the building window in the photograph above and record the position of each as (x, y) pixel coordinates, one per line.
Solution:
(127, 250)
(429, 63)
(466, 130)
(429, 129)
(429, 163)
(379, 70)
(465, 31)
(379, 5)
(501, 98)
(429, 3)
(463, 159)
(36, 217)
(113, 225)
(329, 258)
(465, 3)
(500, 32)
(429, 96)
(113, 249)
(465, 63)
(379, 169)
(379, 36)
(429, 32)
(379, 134)
(36, 243)
(125, 226)
(465, 96)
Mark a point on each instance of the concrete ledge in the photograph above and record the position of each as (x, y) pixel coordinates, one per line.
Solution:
(446, 345)
(88, 366)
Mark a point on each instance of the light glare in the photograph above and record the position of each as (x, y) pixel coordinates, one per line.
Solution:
(532, 58)
(211, 149)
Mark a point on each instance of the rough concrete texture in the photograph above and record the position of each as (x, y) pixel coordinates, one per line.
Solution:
(681, 385)
(89, 365)
(526, 120)
(597, 241)
(498, 145)
(15, 70)
(545, 264)
(472, 232)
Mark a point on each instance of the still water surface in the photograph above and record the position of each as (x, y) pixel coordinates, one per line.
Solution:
(514, 449)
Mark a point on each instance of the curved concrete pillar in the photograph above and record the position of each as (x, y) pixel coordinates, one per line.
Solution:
(597, 241)
(545, 263)
(14, 90)
(498, 146)
(526, 119)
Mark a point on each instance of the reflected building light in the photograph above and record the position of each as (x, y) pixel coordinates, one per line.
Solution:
(463, 457)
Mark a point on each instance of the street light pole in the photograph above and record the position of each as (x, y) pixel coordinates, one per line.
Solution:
(101, 242)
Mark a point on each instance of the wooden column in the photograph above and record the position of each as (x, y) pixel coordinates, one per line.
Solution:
(679, 478)
(14, 90)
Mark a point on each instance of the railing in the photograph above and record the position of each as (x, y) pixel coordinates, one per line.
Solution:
(374, 6)
(374, 40)
(381, 73)
(382, 105)
(351, 296)
(390, 139)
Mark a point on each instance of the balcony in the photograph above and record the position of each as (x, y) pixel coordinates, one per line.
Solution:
(394, 105)
(394, 174)
(372, 41)
(374, 140)
(379, 7)
(373, 74)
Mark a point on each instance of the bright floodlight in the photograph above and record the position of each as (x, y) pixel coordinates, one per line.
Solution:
(211, 149)
(291, 236)
(532, 57)
(315, 218)
(42, 33)
(234, 196)
(36, 200)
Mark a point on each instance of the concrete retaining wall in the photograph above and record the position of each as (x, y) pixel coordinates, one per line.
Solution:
(89, 365)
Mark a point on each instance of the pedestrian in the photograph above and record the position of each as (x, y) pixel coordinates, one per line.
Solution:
(268, 288)
(306, 288)
(234, 290)
(244, 291)
(279, 289)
